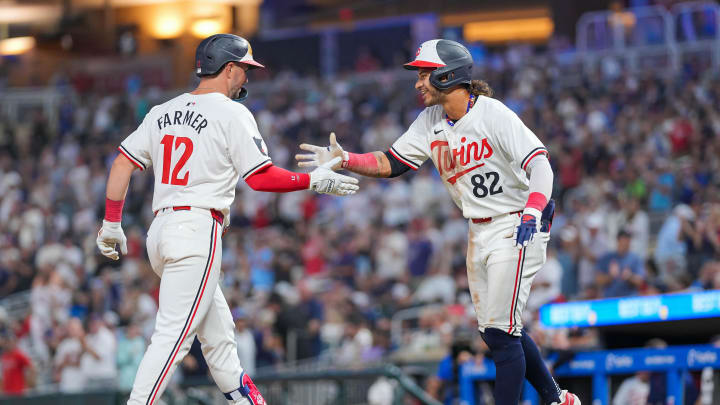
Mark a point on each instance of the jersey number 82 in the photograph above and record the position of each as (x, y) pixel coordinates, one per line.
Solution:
(480, 190)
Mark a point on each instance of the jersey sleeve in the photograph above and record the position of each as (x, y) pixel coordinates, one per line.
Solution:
(136, 147)
(248, 151)
(412, 148)
(517, 140)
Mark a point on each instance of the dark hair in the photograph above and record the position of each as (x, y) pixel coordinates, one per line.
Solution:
(480, 88)
(216, 74)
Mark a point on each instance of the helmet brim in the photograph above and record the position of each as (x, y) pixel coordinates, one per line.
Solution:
(252, 64)
(418, 64)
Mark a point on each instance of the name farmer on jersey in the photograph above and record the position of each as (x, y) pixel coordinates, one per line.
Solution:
(187, 117)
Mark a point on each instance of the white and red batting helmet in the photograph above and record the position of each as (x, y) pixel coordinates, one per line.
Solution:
(450, 60)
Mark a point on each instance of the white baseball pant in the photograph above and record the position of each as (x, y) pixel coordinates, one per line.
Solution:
(185, 250)
(500, 274)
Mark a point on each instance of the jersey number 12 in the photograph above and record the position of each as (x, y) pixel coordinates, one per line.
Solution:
(167, 143)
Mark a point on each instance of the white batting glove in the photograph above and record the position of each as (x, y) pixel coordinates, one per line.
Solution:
(325, 181)
(109, 235)
(321, 155)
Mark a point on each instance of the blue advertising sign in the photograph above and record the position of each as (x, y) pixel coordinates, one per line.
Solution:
(616, 311)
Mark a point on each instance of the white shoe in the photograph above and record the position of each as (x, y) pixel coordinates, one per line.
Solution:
(567, 398)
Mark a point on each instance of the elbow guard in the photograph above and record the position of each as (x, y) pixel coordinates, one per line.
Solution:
(396, 167)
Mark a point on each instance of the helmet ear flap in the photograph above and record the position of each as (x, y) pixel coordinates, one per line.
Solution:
(242, 96)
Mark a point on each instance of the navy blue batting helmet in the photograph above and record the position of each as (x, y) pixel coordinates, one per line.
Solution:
(217, 50)
(450, 60)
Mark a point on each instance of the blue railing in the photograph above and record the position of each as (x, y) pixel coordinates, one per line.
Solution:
(674, 361)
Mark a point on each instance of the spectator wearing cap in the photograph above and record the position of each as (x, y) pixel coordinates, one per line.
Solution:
(620, 273)
(245, 340)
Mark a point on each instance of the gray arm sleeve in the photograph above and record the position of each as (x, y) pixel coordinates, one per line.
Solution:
(541, 176)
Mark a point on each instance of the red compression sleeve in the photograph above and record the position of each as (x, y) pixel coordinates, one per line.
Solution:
(536, 200)
(278, 180)
(360, 161)
(113, 210)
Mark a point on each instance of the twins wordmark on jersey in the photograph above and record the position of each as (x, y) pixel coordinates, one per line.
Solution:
(454, 163)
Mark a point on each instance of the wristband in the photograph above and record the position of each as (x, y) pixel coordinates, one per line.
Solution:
(113, 210)
(537, 201)
(359, 160)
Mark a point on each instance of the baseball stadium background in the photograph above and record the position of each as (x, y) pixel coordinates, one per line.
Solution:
(363, 299)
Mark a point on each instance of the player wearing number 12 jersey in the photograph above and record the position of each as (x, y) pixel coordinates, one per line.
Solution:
(498, 173)
(199, 145)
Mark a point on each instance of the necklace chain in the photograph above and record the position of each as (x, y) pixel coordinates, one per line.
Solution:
(471, 102)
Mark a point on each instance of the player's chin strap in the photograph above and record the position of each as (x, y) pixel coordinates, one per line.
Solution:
(243, 95)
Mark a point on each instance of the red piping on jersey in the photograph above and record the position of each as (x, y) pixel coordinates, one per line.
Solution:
(139, 166)
(187, 329)
(540, 152)
(454, 178)
(515, 290)
(277, 180)
(402, 160)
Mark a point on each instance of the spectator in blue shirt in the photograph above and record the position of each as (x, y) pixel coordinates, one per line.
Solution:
(620, 273)
(445, 384)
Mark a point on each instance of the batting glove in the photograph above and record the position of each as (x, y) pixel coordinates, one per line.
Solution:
(109, 235)
(325, 181)
(527, 228)
(321, 155)
(547, 216)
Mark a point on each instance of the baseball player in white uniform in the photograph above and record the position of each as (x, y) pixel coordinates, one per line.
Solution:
(498, 173)
(199, 145)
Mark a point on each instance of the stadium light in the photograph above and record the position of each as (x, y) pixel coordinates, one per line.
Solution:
(28, 14)
(206, 27)
(517, 29)
(168, 26)
(16, 46)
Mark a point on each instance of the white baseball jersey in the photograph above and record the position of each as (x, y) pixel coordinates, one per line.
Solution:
(199, 145)
(481, 159)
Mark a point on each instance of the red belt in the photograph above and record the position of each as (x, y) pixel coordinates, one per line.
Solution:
(217, 215)
(489, 219)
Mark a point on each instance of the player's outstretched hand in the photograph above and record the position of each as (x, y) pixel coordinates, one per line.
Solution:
(321, 155)
(325, 181)
(109, 235)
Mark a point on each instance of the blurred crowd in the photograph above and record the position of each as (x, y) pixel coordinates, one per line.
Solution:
(635, 157)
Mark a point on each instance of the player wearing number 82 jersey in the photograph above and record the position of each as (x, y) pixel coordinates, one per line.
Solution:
(498, 173)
